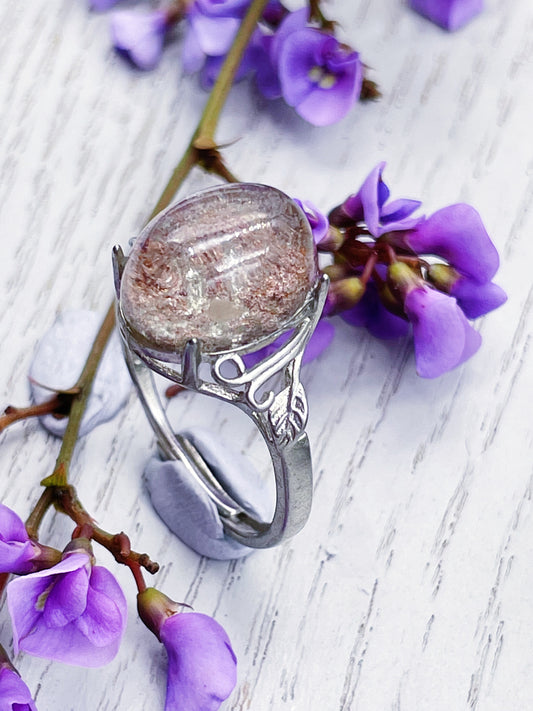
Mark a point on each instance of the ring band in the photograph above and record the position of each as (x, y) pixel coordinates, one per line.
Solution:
(207, 265)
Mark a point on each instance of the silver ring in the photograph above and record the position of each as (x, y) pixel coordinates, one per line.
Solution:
(211, 279)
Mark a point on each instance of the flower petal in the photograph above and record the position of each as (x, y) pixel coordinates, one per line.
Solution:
(372, 194)
(293, 21)
(477, 299)
(139, 36)
(443, 337)
(101, 4)
(318, 221)
(67, 598)
(17, 557)
(14, 694)
(398, 210)
(214, 34)
(448, 14)
(297, 58)
(372, 314)
(457, 234)
(12, 527)
(104, 618)
(223, 8)
(323, 107)
(202, 668)
(192, 55)
(319, 341)
(318, 76)
(28, 596)
(16, 549)
(23, 597)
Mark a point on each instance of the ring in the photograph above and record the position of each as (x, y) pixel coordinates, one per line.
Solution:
(209, 280)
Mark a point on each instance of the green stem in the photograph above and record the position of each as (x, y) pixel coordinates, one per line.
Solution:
(224, 82)
(41, 507)
(200, 151)
(85, 382)
(203, 138)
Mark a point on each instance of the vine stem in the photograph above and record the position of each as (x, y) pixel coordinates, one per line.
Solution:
(201, 150)
(203, 138)
(217, 99)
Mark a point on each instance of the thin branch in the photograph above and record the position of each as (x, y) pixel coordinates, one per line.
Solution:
(201, 150)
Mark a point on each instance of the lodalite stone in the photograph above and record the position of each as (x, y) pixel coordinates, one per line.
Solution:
(227, 266)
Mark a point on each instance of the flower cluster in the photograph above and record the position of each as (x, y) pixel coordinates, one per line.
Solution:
(66, 608)
(290, 56)
(393, 271)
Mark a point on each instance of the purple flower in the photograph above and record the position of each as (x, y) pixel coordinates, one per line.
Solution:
(210, 34)
(213, 65)
(18, 553)
(457, 234)
(318, 221)
(274, 12)
(372, 315)
(14, 694)
(101, 4)
(266, 49)
(202, 668)
(448, 14)
(211, 29)
(320, 339)
(223, 8)
(207, 37)
(477, 299)
(266, 74)
(74, 612)
(428, 275)
(369, 205)
(139, 37)
(442, 335)
(320, 77)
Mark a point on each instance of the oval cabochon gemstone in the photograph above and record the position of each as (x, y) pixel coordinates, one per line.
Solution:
(228, 266)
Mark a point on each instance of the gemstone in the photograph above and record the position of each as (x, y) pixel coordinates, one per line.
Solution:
(228, 266)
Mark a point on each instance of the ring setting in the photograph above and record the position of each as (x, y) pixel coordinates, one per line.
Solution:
(209, 280)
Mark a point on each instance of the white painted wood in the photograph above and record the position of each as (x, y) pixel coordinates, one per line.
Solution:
(410, 587)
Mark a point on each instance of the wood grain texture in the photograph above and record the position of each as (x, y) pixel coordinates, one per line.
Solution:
(410, 587)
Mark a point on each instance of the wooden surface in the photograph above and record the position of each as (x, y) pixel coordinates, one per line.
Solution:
(411, 586)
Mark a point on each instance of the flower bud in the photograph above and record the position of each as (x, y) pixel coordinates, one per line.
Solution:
(202, 668)
(402, 279)
(18, 553)
(337, 271)
(14, 694)
(154, 608)
(390, 300)
(333, 240)
(80, 545)
(338, 217)
(343, 294)
(442, 276)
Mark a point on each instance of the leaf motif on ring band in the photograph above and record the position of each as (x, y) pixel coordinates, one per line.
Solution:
(254, 378)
